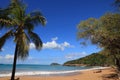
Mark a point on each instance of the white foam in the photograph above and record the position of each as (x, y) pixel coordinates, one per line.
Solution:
(39, 73)
(30, 73)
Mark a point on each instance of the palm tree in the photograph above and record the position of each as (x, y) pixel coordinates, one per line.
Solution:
(20, 26)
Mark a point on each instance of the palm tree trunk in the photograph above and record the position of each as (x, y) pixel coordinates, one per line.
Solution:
(14, 63)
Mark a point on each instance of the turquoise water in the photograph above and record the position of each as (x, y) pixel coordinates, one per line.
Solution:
(25, 69)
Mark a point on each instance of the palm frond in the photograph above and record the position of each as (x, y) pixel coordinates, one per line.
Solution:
(4, 19)
(6, 22)
(17, 11)
(28, 26)
(15, 3)
(36, 40)
(4, 38)
(17, 14)
(4, 12)
(22, 42)
(35, 18)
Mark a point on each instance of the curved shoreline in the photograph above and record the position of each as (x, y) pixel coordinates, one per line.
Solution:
(50, 73)
(85, 75)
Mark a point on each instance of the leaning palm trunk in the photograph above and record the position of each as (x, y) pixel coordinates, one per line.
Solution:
(14, 63)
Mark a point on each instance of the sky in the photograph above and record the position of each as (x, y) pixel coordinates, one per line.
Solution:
(59, 36)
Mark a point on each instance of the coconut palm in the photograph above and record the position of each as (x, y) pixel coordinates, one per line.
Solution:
(20, 26)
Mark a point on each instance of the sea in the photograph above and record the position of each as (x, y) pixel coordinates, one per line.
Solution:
(41, 70)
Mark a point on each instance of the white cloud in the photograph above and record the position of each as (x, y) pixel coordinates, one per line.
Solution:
(55, 38)
(8, 59)
(31, 45)
(76, 55)
(30, 58)
(54, 45)
(8, 56)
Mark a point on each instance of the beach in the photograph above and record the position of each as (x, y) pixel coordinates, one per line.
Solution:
(83, 75)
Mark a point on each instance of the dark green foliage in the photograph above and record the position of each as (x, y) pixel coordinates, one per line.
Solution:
(54, 64)
(36, 40)
(95, 59)
(104, 32)
(21, 26)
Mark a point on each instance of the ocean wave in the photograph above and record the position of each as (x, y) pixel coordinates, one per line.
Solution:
(32, 73)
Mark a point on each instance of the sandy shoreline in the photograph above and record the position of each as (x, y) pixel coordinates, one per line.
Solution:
(84, 75)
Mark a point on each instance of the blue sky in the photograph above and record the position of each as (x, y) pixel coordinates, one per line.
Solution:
(59, 36)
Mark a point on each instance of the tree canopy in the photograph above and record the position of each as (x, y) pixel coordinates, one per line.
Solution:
(20, 25)
(104, 32)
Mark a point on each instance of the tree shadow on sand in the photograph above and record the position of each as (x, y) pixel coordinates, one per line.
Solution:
(112, 76)
(17, 78)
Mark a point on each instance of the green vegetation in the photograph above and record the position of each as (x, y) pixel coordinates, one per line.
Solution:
(95, 59)
(104, 32)
(20, 26)
(52, 64)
